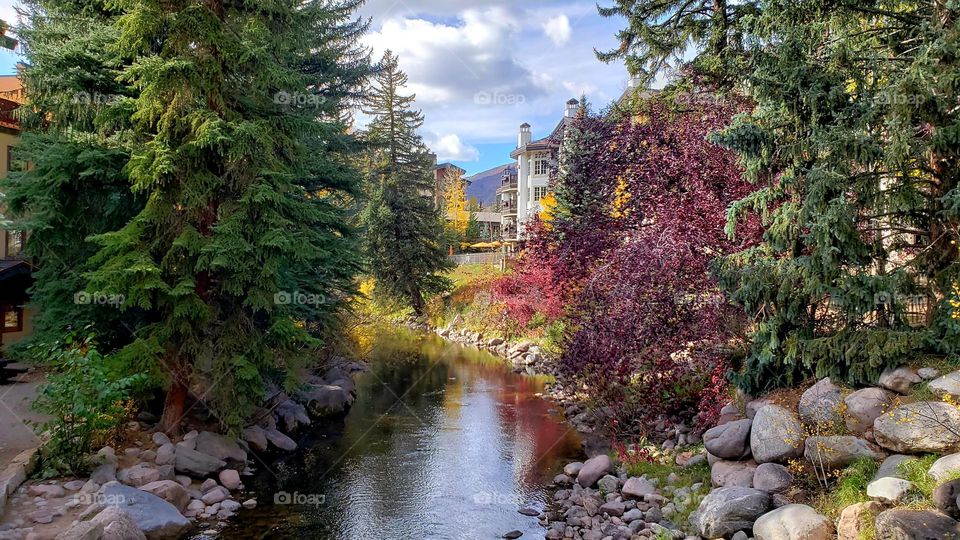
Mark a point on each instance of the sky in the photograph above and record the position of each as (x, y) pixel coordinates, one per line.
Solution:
(479, 69)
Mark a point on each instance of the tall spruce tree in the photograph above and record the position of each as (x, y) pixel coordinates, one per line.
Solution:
(241, 154)
(658, 32)
(404, 229)
(855, 143)
(77, 139)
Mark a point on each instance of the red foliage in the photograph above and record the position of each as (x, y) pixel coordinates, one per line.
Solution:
(649, 325)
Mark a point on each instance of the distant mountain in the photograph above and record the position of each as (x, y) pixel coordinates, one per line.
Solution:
(483, 186)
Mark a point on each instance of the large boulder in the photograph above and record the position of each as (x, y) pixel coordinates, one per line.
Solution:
(729, 441)
(594, 469)
(118, 525)
(889, 489)
(280, 440)
(793, 522)
(834, 452)
(945, 467)
(170, 491)
(219, 446)
(945, 498)
(891, 466)
(820, 404)
(325, 399)
(925, 426)
(899, 380)
(733, 473)
(948, 385)
(772, 478)
(905, 524)
(83, 530)
(864, 406)
(725, 511)
(158, 519)
(856, 519)
(776, 435)
(256, 437)
(637, 488)
(195, 463)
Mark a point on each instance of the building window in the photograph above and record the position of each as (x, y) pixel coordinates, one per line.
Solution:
(541, 165)
(14, 243)
(12, 319)
(14, 164)
(539, 192)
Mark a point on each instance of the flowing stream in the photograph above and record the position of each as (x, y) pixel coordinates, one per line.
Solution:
(443, 442)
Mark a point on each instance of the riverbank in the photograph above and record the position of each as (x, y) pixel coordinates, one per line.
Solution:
(168, 486)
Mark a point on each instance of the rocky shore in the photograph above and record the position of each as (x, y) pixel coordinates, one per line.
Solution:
(158, 487)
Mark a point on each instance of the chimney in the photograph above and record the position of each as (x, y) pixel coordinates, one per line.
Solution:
(525, 137)
(634, 82)
(572, 107)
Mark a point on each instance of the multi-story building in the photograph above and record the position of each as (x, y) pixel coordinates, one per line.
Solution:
(521, 190)
(14, 271)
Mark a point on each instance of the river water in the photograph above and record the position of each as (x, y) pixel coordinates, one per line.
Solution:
(443, 442)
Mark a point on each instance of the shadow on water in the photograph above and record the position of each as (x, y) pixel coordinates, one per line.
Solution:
(443, 442)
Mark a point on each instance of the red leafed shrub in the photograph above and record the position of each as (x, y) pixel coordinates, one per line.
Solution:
(535, 285)
(650, 331)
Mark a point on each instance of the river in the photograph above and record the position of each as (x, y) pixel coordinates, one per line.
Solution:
(443, 442)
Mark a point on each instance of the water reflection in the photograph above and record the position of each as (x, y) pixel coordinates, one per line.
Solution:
(442, 443)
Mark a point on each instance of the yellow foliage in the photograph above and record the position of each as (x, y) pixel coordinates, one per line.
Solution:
(621, 197)
(548, 205)
(456, 199)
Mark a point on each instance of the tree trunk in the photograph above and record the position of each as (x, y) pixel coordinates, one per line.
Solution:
(175, 402)
(416, 300)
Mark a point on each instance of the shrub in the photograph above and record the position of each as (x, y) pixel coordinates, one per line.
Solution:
(89, 398)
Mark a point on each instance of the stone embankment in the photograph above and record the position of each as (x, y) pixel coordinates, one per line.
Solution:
(160, 487)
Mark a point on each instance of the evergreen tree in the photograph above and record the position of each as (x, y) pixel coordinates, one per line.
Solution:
(77, 138)
(241, 154)
(658, 32)
(855, 145)
(404, 229)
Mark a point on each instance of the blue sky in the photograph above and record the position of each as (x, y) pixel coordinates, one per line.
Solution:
(482, 68)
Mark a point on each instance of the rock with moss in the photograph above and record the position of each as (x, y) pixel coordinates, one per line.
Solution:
(856, 520)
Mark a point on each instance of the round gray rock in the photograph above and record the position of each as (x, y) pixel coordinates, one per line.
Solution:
(729, 441)
(772, 478)
(594, 469)
(776, 435)
(727, 510)
(820, 403)
(834, 452)
(916, 525)
(864, 406)
(793, 522)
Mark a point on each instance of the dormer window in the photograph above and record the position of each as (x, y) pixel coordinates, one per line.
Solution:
(541, 164)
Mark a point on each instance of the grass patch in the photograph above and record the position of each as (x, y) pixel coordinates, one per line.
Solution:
(850, 488)
(915, 470)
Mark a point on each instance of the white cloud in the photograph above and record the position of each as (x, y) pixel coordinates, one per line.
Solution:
(451, 148)
(558, 30)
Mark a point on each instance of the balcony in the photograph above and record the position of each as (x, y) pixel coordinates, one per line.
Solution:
(8, 114)
(508, 208)
(508, 182)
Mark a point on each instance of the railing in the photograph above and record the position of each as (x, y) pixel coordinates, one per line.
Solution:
(8, 114)
(492, 258)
